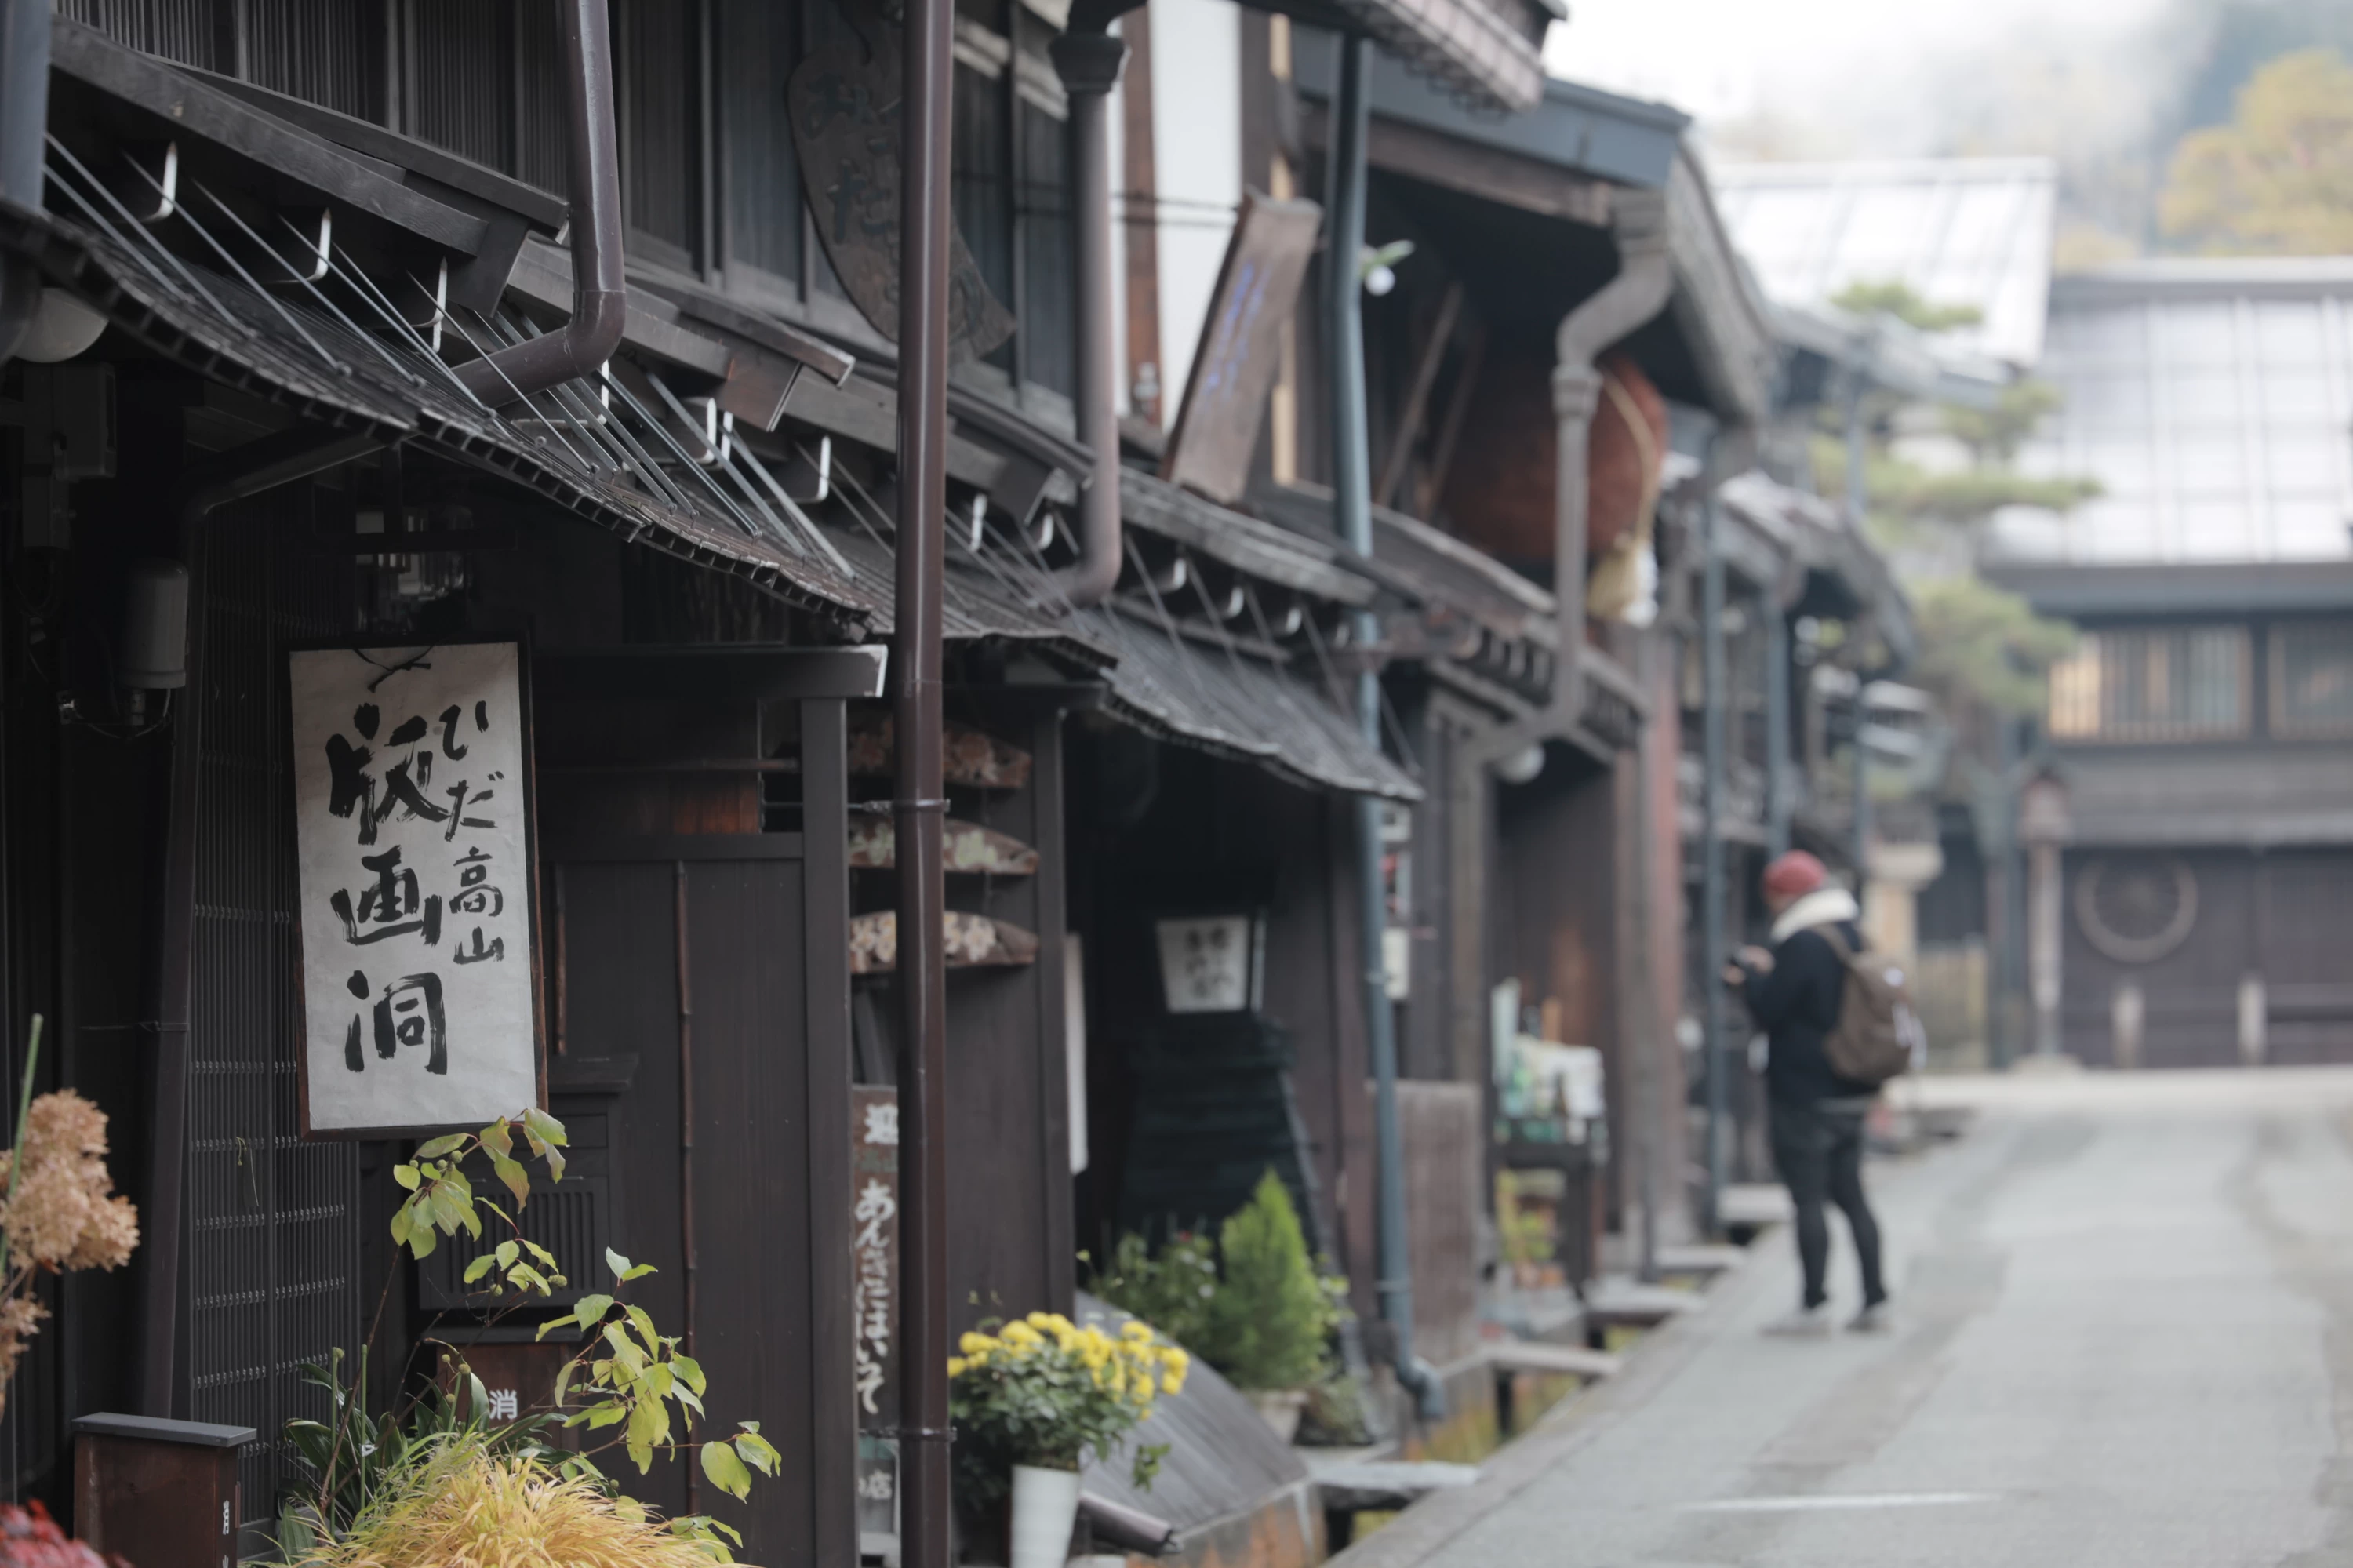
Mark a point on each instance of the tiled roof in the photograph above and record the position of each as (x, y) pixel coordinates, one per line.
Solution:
(1972, 232)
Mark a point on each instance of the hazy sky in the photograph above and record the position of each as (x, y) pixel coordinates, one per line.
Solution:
(1876, 76)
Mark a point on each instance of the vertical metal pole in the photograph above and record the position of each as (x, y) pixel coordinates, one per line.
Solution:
(1711, 843)
(1858, 497)
(686, 1117)
(1351, 507)
(1642, 1007)
(1778, 806)
(924, 1434)
(1858, 485)
(2001, 902)
(1089, 66)
(24, 126)
(1860, 762)
(24, 100)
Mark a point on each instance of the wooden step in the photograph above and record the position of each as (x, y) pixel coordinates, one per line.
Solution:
(1701, 1258)
(1623, 1304)
(1536, 1356)
(1368, 1486)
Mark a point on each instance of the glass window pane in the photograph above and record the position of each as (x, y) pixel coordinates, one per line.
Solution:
(764, 186)
(2152, 684)
(1048, 269)
(2312, 691)
(658, 50)
(981, 189)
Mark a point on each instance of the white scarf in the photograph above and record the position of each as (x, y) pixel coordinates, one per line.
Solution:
(1823, 906)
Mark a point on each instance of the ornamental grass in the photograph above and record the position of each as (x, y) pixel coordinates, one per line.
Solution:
(470, 1508)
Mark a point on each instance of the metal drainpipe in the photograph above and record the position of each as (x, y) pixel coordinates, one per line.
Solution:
(1090, 64)
(1778, 806)
(924, 1430)
(600, 289)
(1711, 839)
(275, 461)
(23, 125)
(1858, 489)
(1351, 484)
(1645, 278)
(1644, 1010)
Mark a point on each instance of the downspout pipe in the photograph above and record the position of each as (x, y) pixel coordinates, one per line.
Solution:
(1645, 278)
(1352, 486)
(265, 465)
(24, 127)
(600, 289)
(1714, 946)
(1090, 64)
(919, 798)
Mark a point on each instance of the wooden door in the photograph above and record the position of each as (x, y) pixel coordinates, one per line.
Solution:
(703, 982)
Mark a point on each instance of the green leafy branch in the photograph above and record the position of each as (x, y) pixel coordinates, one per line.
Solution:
(628, 1374)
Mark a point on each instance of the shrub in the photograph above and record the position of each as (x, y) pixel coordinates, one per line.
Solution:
(57, 1208)
(1171, 1291)
(1271, 1317)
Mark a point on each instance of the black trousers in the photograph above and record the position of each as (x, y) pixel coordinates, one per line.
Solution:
(1818, 1150)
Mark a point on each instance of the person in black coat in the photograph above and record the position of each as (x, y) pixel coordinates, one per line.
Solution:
(1793, 993)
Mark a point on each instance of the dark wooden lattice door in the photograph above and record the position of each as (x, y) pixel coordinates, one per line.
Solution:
(270, 1254)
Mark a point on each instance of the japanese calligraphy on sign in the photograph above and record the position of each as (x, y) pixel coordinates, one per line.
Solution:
(874, 1252)
(847, 127)
(413, 845)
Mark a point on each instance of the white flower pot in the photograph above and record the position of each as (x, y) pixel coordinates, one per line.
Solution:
(1045, 1511)
(1280, 1409)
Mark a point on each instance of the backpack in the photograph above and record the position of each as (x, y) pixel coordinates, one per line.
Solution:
(1877, 1035)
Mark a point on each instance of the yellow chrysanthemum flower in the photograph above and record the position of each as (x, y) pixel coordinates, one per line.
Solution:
(956, 1365)
(975, 1344)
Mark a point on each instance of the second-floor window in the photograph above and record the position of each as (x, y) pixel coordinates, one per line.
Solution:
(2154, 683)
(2312, 679)
(710, 179)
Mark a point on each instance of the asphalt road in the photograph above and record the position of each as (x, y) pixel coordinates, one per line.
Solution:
(2126, 1338)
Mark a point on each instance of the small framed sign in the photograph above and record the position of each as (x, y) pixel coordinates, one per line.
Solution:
(1211, 963)
(418, 882)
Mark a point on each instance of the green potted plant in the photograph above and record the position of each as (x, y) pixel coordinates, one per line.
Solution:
(1271, 1319)
(1039, 1398)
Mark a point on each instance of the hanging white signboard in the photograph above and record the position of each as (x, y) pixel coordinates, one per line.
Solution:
(413, 843)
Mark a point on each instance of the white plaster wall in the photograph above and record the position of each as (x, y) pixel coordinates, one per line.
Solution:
(1197, 136)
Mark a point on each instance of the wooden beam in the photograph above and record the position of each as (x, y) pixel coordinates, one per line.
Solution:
(545, 212)
(714, 672)
(1438, 159)
(191, 108)
(1458, 407)
(1534, 1356)
(1417, 397)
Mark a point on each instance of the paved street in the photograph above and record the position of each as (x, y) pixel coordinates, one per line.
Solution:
(2127, 1339)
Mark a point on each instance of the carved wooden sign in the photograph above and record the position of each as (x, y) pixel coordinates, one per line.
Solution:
(848, 129)
(1241, 346)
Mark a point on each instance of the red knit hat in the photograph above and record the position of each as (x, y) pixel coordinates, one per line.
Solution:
(1794, 874)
